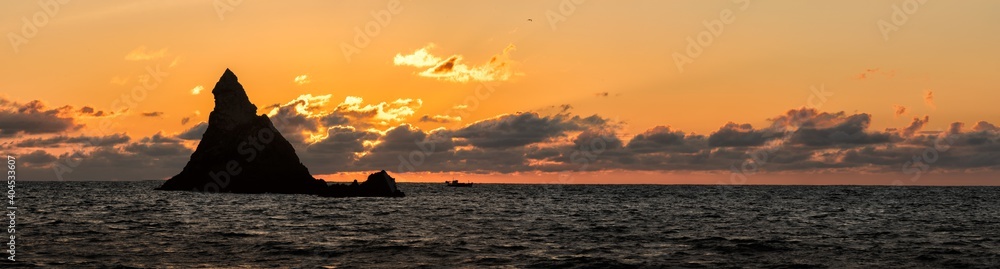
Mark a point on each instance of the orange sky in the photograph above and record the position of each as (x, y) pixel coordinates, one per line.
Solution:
(616, 59)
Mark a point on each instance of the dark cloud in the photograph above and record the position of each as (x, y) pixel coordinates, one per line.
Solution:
(564, 108)
(160, 138)
(195, 132)
(985, 126)
(423, 151)
(91, 112)
(62, 141)
(352, 136)
(659, 138)
(156, 149)
(898, 110)
(915, 126)
(343, 139)
(149, 158)
(739, 135)
(37, 158)
(446, 66)
(956, 128)
(34, 118)
(814, 128)
(152, 114)
(185, 120)
(439, 119)
(514, 130)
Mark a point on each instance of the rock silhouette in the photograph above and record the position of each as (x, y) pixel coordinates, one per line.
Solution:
(377, 185)
(241, 152)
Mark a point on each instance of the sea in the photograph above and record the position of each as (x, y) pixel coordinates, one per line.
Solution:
(131, 225)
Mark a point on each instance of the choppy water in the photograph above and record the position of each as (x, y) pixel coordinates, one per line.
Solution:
(128, 224)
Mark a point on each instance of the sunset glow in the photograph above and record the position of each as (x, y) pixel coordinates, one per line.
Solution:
(554, 91)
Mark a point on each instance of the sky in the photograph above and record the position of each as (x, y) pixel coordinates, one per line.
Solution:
(561, 91)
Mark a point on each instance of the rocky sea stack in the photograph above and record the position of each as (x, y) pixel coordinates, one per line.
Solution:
(242, 152)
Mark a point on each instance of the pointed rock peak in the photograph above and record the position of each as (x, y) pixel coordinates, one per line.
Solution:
(228, 76)
(232, 106)
(228, 82)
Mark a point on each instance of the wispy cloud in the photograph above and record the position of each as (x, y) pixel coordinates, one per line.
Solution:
(302, 79)
(142, 54)
(153, 114)
(898, 110)
(929, 99)
(498, 68)
(197, 89)
(871, 72)
(440, 118)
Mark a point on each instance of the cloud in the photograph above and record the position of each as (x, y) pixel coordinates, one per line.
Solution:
(929, 99)
(152, 114)
(306, 118)
(664, 139)
(142, 54)
(344, 139)
(955, 128)
(739, 135)
(419, 58)
(90, 112)
(37, 158)
(872, 72)
(34, 118)
(984, 126)
(816, 128)
(520, 129)
(195, 132)
(185, 120)
(197, 89)
(452, 68)
(440, 118)
(353, 135)
(915, 126)
(602, 94)
(898, 110)
(301, 79)
(154, 157)
(82, 140)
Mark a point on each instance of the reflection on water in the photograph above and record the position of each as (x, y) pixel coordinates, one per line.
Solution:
(127, 224)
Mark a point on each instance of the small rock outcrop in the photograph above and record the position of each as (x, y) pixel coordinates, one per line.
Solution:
(241, 152)
(377, 185)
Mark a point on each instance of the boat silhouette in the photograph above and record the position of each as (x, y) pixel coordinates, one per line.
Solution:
(455, 183)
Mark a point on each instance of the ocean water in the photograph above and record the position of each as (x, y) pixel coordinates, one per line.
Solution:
(128, 224)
